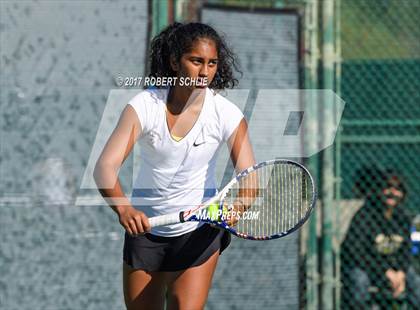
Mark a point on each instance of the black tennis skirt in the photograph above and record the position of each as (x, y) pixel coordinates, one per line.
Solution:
(155, 253)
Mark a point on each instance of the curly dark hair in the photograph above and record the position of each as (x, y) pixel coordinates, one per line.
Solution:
(178, 38)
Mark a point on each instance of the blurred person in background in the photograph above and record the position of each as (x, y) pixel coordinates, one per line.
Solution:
(375, 255)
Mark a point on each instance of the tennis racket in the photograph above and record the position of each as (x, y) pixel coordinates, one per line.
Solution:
(266, 201)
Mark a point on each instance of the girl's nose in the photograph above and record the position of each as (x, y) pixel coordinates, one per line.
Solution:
(204, 71)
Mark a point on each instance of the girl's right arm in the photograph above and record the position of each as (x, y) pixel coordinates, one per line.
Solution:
(116, 150)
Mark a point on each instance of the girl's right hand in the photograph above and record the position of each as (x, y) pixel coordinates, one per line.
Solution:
(134, 221)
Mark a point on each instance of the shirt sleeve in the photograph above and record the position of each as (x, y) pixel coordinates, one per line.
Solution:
(142, 108)
(231, 117)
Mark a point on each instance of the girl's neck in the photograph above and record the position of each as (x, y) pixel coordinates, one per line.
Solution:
(179, 98)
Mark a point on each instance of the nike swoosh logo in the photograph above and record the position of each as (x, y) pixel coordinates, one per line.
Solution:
(197, 144)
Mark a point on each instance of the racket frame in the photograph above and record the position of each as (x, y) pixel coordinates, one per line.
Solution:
(191, 215)
(246, 172)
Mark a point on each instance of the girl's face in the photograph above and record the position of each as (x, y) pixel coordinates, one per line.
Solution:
(199, 62)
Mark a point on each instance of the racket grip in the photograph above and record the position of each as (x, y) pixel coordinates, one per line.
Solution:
(166, 219)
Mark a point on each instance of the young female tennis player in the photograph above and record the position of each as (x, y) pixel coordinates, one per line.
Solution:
(180, 129)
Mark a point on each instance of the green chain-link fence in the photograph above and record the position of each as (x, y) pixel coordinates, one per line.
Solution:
(379, 158)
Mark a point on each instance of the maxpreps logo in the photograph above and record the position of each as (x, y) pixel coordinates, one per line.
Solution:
(282, 123)
(219, 215)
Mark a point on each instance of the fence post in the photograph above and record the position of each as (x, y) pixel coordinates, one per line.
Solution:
(337, 229)
(328, 59)
(311, 82)
(159, 15)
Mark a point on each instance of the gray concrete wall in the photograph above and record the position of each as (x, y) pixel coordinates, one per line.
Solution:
(58, 61)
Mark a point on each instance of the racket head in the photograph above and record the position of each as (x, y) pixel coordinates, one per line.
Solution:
(286, 196)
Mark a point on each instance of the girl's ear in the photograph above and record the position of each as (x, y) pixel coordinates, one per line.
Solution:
(174, 63)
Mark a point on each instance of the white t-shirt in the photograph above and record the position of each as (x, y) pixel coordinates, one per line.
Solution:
(176, 176)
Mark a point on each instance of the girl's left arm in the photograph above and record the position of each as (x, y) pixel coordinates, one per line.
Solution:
(240, 147)
(242, 157)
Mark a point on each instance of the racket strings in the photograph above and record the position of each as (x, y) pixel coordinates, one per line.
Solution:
(276, 198)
